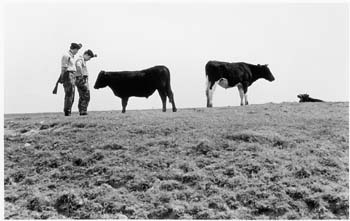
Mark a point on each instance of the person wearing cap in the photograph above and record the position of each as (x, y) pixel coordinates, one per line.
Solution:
(67, 76)
(82, 82)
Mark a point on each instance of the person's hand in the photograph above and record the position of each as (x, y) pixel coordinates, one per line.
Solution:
(61, 79)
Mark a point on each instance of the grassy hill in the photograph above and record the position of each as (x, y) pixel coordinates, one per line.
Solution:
(281, 161)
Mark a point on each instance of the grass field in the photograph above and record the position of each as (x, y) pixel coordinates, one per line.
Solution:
(277, 161)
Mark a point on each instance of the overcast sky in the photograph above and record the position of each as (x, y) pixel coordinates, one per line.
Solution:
(305, 45)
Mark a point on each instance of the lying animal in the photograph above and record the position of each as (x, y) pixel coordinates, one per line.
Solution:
(307, 98)
(125, 84)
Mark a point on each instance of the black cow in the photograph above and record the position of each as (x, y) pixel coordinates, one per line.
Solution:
(229, 75)
(125, 84)
(307, 98)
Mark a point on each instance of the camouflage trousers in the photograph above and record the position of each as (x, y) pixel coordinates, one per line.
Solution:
(68, 79)
(82, 84)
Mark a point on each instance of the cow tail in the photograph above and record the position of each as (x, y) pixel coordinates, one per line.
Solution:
(207, 83)
(168, 86)
(169, 92)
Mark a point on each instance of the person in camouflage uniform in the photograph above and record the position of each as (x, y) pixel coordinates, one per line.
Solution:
(82, 82)
(67, 77)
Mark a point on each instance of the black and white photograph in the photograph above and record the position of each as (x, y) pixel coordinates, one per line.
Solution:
(165, 109)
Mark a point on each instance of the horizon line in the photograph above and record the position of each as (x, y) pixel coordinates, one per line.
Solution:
(169, 109)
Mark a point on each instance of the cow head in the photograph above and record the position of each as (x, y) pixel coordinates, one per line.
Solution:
(101, 80)
(303, 96)
(266, 73)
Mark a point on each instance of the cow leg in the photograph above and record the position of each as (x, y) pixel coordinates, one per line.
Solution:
(171, 99)
(209, 92)
(162, 95)
(245, 90)
(124, 103)
(241, 93)
(246, 98)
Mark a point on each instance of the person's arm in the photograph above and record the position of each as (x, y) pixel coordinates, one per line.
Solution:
(79, 67)
(64, 67)
(64, 64)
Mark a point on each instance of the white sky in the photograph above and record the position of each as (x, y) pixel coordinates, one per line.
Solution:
(305, 45)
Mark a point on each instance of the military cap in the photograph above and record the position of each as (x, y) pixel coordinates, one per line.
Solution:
(75, 46)
(90, 53)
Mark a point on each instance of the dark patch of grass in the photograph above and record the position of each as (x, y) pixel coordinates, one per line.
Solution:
(203, 147)
(253, 137)
(217, 203)
(47, 164)
(313, 203)
(338, 205)
(112, 146)
(68, 204)
(11, 198)
(139, 184)
(302, 173)
(98, 170)
(18, 176)
(79, 125)
(36, 204)
(162, 212)
(44, 127)
(171, 185)
(191, 178)
(296, 193)
(24, 130)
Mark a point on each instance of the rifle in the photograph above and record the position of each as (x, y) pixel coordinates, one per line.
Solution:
(58, 81)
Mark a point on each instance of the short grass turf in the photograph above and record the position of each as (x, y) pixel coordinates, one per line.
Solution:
(269, 161)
